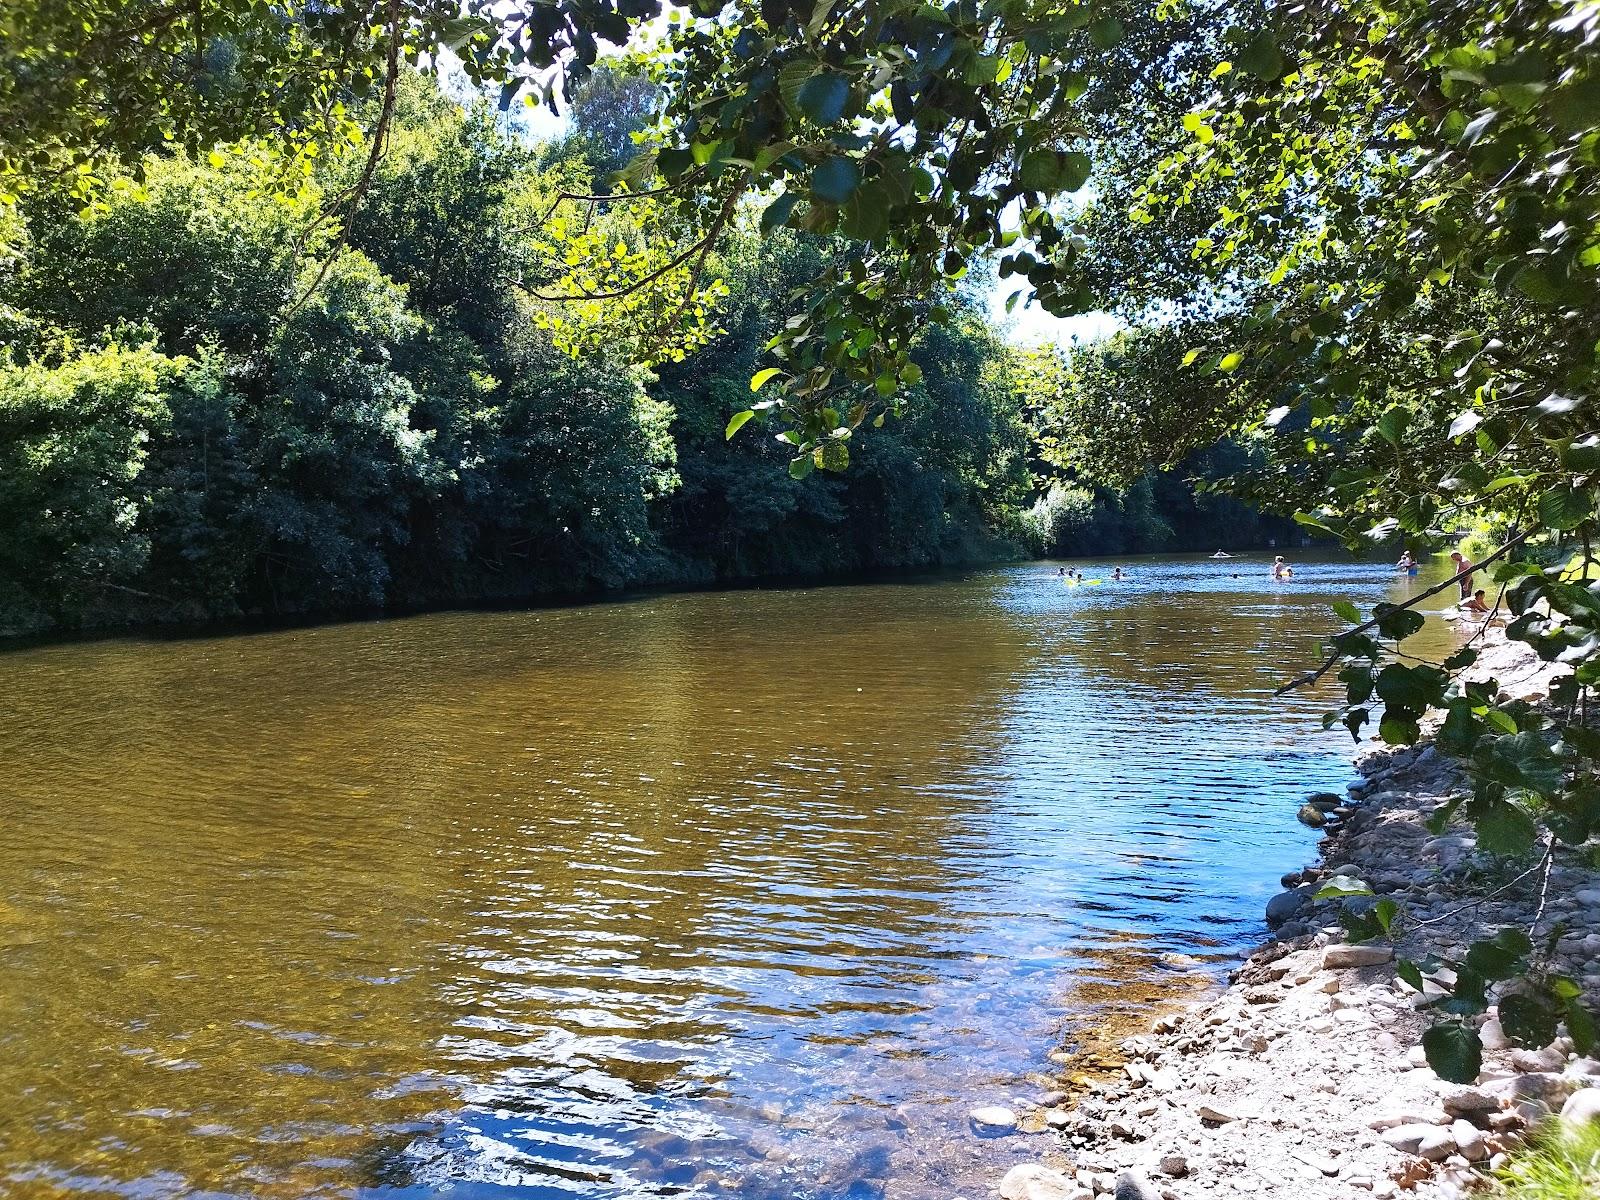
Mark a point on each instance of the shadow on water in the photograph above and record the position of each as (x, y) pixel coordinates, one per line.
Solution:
(718, 894)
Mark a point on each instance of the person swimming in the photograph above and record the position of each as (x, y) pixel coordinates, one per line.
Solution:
(1117, 573)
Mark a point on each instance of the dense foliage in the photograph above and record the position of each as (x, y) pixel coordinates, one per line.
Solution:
(188, 429)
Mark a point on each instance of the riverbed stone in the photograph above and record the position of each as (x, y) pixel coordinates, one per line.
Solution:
(1311, 815)
(1133, 1186)
(1031, 1181)
(1285, 905)
(1582, 1107)
(1425, 1141)
(993, 1119)
(1342, 954)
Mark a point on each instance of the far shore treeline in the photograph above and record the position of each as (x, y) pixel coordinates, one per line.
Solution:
(190, 430)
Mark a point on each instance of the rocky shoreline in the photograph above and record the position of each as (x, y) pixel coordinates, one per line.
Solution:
(1304, 1077)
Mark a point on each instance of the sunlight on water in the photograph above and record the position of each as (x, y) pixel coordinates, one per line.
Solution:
(732, 894)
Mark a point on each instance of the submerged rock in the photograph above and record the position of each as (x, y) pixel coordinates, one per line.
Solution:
(992, 1119)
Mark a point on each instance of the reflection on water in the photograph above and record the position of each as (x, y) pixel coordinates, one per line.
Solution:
(748, 893)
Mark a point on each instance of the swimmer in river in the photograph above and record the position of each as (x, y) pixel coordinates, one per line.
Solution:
(1281, 569)
(1117, 573)
(1475, 605)
(1061, 572)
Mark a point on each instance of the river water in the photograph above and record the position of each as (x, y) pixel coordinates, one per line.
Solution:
(726, 894)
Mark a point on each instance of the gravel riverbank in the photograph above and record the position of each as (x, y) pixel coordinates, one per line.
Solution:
(1303, 1077)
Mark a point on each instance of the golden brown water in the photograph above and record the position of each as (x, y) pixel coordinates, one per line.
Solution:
(749, 893)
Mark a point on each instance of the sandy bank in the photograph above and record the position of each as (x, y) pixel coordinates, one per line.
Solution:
(1302, 1077)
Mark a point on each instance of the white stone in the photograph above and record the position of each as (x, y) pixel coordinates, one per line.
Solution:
(1424, 1141)
(1030, 1181)
(993, 1117)
(1582, 1107)
(1469, 1141)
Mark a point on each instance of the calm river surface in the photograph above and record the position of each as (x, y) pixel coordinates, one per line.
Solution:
(742, 894)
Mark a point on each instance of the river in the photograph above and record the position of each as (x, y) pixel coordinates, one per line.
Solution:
(748, 893)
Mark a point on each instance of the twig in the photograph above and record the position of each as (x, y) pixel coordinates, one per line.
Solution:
(353, 195)
(701, 246)
(1544, 884)
(1327, 665)
(1479, 902)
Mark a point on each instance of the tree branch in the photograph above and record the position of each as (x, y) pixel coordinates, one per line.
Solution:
(1327, 664)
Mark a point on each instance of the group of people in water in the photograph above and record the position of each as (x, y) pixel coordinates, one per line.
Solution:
(1471, 600)
(1074, 576)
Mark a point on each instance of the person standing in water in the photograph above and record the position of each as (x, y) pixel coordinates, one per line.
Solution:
(1117, 573)
(1281, 569)
(1462, 563)
(1407, 563)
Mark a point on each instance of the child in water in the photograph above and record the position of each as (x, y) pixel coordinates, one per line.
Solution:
(1281, 569)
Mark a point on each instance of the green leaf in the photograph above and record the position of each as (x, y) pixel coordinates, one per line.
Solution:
(1230, 361)
(1580, 1024)
(736, 423)
(1041, 171)
(1398, 729)
(1529, 1018)
(777, 213)
(1385, 911)
(1262, 58)
(763, 377)
(1106, 32)
(1342, 885)
(800, 467)
(1392, 425)
(835, 456)
(835, 179)
(1493, 959)
(1504, 828)
(1454, 1052)
(866, 214)
(1346, 611)
(823, 97)
(1410, 972)
(1566, 507)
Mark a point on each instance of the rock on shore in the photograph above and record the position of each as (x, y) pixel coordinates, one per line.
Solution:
(1303, 1078)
